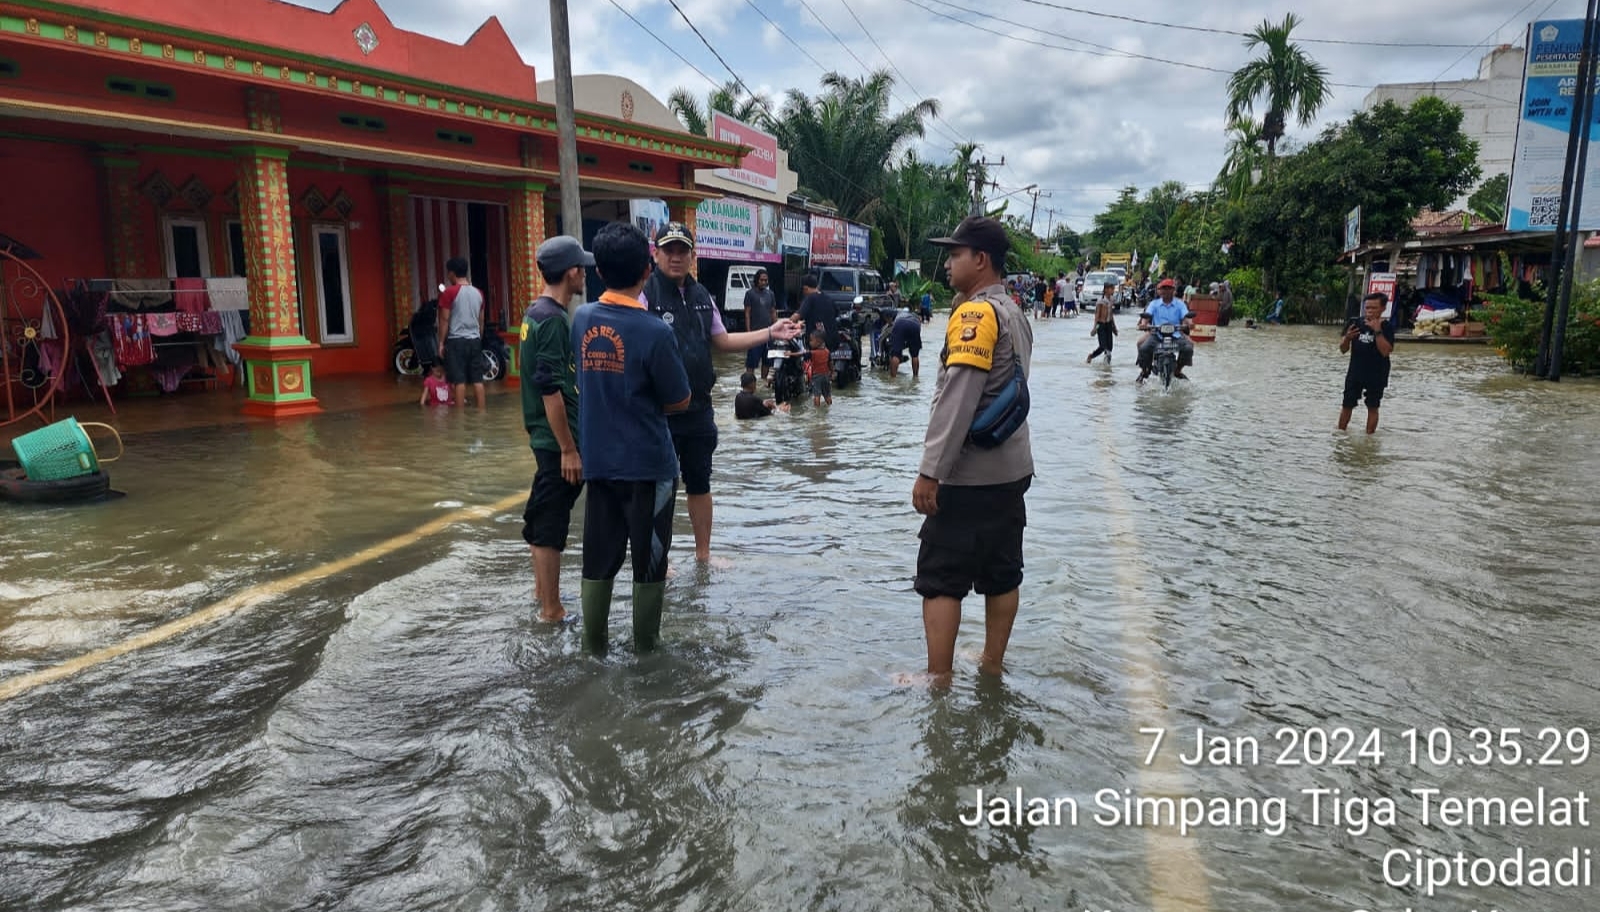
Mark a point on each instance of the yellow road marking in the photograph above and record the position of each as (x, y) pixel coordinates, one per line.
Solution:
(1177, 876)
(12, 688)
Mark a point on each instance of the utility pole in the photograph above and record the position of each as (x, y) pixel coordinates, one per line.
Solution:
(1049, 223)
(980, 174)
(566, 121)
(1554, 331)
(1035, 193)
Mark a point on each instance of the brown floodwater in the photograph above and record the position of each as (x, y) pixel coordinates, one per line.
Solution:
(400, 734)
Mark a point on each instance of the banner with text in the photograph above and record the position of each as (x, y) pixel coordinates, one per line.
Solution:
(827, 240)
(732, 229)
(796, 233)
(759, 168)
(1538, 162)
(649, 215)
(859, 244)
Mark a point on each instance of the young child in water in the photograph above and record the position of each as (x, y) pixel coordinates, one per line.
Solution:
(435, 391)
(819, 370)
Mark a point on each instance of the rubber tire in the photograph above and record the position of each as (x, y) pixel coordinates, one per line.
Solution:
(14, 488)
(492, 366)
(405, 361)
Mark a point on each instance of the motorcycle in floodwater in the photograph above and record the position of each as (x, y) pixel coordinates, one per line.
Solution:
(788, 371)
(846, 357)
(416, 350)
(1164, 362)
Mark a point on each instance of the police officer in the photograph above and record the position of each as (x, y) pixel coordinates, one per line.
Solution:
(684, 304)
(973, 496)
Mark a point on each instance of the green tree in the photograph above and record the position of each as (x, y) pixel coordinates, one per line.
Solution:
(730, 99)
(1285, 80)
(1391, 161)
(842, 141)
(1488, 202)
(1245, 156)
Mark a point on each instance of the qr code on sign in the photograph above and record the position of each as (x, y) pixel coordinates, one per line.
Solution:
(1544, 211)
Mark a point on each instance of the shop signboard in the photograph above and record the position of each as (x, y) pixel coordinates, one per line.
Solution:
(731, 228)
(759, 168)
(1383, 283)
(796, 232)
(1352, 231)
(858, 244)
(1538, 161)
(827, 240)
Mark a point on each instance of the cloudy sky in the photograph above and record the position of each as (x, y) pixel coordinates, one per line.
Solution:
(1092, 104)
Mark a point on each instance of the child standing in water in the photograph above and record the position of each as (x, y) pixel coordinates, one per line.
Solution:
(819, 370)
(435, 391)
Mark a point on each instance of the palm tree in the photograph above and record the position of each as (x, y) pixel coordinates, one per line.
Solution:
(1286, 80)
(841, 142)
(1245, 157)
(731, 99)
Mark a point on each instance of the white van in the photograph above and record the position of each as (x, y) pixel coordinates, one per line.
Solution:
(740, 280)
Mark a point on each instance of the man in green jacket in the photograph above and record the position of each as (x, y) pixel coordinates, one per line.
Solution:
(550, 413)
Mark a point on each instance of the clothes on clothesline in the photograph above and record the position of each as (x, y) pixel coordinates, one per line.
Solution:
(131, 339)
(191, 295)
(228, 294)
(162, 324)
(141, 294)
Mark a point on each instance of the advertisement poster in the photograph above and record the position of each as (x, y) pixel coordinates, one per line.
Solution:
(1549, 92)
(759, 168)
(796, 233)
(731, 229)
(1383, 283)
(769, 232)
(859, 244)
(1352, 231)
(827, 240)
(649, 215)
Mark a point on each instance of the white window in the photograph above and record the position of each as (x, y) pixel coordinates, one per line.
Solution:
(188, 253)
(333, 284)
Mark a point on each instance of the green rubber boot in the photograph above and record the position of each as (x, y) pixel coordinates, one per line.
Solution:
(648, 599)
(595, 596)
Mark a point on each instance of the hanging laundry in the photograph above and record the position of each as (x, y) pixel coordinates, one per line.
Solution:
(131, 340)
(232, 332)
(191, 295)
(162, 324)
(105, 359)
(189, 322)
(47, 322)
(210, 323)
(230, 293)
(141, 294)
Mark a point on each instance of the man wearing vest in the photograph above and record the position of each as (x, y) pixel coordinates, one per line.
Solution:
(684, 305)
(973, 496)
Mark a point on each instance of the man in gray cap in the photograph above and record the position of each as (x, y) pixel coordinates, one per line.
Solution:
(550, 413)
(971, 485)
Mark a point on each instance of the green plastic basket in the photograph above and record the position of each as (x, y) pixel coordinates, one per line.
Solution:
(62, 450)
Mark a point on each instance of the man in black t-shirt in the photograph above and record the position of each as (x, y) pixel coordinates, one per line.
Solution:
(817, 313)
(1369, 341)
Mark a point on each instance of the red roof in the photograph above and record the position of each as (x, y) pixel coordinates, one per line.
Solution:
(487, 63)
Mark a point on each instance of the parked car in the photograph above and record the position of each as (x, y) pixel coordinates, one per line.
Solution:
(841, 285)
(1094, 285)
(740, 280)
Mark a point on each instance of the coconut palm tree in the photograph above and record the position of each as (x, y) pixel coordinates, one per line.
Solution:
(842, 142)
(731, 99)
(1245, 157)
(1286, 81)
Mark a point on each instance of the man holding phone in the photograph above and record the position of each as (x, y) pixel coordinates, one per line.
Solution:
(1369, 342)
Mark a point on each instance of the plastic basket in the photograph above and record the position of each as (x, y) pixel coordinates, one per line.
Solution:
(62, 450)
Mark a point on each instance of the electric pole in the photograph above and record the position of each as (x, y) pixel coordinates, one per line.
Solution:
(1049, 223)
(980, 174)
(1035, 193)
(566, 121)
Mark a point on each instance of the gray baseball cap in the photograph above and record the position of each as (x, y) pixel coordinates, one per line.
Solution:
(560, 253)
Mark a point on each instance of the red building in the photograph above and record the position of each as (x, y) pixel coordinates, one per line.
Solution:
(332, 159)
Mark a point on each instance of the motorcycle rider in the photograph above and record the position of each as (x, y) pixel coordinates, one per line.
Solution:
(1167, 309)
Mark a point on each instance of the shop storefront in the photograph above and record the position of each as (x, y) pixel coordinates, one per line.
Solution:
(269, 197)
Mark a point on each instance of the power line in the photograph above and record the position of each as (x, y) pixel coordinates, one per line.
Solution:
(1514, 17)
(738, 83)
(1221, 31)
(669, 47)
(798, 46)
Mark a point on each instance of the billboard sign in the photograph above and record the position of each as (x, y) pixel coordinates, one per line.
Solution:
(649, 215)
(759, 168)
(1383, 283)
(858, 244)
(731, 229)
(827, 240)
(1352, 231)
(1538, 162)
(796, 233)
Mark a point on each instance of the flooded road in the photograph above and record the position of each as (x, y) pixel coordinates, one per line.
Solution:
(398, 734)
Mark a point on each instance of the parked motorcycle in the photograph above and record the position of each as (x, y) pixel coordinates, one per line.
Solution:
(1165, 361)
(417, 348)
(846, 358)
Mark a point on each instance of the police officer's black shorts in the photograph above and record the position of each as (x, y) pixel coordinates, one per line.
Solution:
(463, 361)
(548, 516)
(974, 542)
(694, 436)
(1353, 386)
(899, 341)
